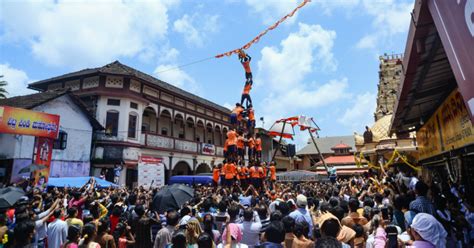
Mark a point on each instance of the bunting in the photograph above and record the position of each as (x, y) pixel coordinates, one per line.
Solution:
(256, 39)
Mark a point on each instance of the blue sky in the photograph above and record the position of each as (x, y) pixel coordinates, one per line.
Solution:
(323, 62)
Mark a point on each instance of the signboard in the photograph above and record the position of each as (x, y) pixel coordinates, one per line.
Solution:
(449, 128)
(208, 149)
(151, 169)
(27, 122)
(44, 151)
(454, 21)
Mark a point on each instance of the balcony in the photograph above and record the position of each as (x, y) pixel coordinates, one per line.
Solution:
(152, 140)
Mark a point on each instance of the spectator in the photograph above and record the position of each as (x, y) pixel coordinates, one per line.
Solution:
(57, 230)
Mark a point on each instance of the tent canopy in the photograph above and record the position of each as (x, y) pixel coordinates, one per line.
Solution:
(299, 175)
(77, 182)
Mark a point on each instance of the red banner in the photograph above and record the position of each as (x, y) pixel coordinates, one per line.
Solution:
(454, 21)
(44, 151)
(150, 160)
(27, 122)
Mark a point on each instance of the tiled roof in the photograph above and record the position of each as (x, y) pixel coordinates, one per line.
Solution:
(325, 144)
(32, 100)
(340, 146)
(334, 160)
(117, 68)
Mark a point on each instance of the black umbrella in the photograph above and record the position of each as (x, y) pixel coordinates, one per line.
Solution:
(9, 196)
(172, 197)
(31, 168)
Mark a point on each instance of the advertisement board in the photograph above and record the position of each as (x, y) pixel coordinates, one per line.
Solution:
(27, 122)
(454, 21)
(208, 149)
(151, 171)
(449, 128)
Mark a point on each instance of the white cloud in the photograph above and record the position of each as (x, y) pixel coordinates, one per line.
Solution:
(171, 74)
(85, 33)
(367, 42)
(17, 81)
(360, 114)
(272, 10)
(283, 71)
(300, 52)
(389, 18)
(196, 28)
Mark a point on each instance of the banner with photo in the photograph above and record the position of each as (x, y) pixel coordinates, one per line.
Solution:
(44, 151)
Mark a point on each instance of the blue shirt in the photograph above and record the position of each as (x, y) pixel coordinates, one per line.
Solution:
(422, 205)
(300, 215)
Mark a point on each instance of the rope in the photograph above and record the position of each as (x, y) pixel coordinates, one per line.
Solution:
(183, 65)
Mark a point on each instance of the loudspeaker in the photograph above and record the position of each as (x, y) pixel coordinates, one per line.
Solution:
(291, 150)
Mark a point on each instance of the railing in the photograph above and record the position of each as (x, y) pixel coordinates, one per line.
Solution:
(181, 145)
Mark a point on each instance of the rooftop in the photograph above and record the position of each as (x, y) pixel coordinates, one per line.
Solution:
(336, 160)
(32, 100)
(340, 146)
(325, 144)
(117, 68)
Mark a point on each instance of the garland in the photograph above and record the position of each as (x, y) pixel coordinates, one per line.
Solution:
(395, 155)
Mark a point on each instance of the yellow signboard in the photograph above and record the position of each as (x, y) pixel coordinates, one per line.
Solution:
(449, 128)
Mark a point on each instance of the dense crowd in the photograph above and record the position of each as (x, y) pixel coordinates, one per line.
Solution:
(362, 211)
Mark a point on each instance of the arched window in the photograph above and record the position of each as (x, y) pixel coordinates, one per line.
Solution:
(132, 125)
(164, 131)
(111, 123)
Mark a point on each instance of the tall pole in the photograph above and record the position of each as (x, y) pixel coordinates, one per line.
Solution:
(279, 141)
(319, 152)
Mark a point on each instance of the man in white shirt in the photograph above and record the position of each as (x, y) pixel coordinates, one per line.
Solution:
(250, 229)
(57, 230)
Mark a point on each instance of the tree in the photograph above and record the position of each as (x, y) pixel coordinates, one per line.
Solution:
(3, 91)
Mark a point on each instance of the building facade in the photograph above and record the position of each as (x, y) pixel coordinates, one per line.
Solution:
(338, 152)
(390, 71)
(436, 92)
(71, 150)
(144, 116)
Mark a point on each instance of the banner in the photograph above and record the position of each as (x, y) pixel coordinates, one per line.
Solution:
(44, 151)
(208, 149)
(151, 169)
(454, 21)
(27, 122)
(449, 128)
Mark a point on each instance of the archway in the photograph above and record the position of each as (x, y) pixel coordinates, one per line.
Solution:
(217, 136)
(164, 123)
(149, 123)
(178, 126)
(203, 168)
(181, 168)
(209, 134)
(190, 133)
(200, 131)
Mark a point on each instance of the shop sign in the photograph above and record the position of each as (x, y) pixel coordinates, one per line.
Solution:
(454, 21)
(151, 171)
(208, 149)
(449, 128)
(27, 122)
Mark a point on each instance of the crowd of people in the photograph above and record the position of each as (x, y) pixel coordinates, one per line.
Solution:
(362, 211)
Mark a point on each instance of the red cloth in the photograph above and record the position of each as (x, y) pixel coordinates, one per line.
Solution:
(114, 220)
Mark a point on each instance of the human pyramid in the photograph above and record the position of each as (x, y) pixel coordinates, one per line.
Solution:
(243, 148)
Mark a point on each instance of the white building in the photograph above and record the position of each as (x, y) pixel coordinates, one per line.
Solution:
(72, 150)
(144, 116)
